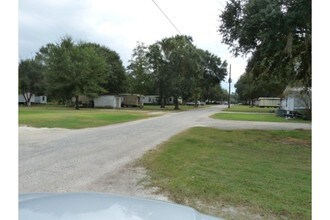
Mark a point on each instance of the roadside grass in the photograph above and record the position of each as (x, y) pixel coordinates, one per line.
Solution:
(248, 108)
(248, 113)
(269, 172)
(255, 117)
(62, 117)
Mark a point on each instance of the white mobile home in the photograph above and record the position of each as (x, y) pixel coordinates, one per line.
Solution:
(41, 99)
(150, 99)
(108, 101)
(296, 99)
(34, 99)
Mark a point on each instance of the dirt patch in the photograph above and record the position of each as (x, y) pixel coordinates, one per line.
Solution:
(132, 180)
(129, 180)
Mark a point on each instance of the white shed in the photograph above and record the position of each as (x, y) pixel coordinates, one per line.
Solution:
(108, 101)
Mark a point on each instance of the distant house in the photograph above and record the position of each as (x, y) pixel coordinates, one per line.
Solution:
(108, 101)
(269, 102)
(34, 99)
(297, 99)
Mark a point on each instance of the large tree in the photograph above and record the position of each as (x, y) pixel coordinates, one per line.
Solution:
(140, 78)
(183, 70)
(175, 67)
(214, 71)
(116, 76)
(31, 79)
(276, 32)
(73, 69)
(249, 87)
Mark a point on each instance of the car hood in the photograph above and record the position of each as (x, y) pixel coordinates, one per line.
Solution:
(99, 206)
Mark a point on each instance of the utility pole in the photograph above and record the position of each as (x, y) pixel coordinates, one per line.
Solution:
(229, 81)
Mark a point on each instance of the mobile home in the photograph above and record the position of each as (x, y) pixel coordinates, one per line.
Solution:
(296, 99)
(269, 102)
(150, 99)
(34, 99)
(132, 100)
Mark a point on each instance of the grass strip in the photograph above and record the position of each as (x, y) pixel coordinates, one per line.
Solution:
(267, 171)
(255, 117)
(75, 119)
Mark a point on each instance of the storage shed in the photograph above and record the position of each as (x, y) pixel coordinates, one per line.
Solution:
(108, 101)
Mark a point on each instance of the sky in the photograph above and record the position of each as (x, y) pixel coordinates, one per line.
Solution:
(119, 25)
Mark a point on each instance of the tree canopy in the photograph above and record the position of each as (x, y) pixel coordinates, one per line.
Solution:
(277, 33)
(176, 67)
(250, 88)
(73, 69)
(31, 79)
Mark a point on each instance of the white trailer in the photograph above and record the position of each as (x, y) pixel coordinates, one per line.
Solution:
(108, 101)
(34, 99)
(296, 99)
(150, 99)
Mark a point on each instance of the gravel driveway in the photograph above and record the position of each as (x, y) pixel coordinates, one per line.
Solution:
(99, 159)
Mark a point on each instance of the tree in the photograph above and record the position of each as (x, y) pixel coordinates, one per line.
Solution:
(250, 88)
(140, 77)
(276, 32)
(116, 76)
(214, 71)
(31, 79)
(174, 67)
(73, 69)
(157, 62)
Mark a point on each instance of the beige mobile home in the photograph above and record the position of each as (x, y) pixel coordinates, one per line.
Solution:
(269, 102)
(132, 100)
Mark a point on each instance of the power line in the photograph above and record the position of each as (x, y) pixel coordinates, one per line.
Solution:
(167, 18)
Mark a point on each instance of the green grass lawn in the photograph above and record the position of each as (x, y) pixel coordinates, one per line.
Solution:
(255, 117)
(248, 113)
(248, 108)
(62, 117)
(269, 172)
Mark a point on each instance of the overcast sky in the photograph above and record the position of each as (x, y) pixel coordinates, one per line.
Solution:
(119, 25)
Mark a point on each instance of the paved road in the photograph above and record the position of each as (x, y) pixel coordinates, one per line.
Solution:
(62, 160)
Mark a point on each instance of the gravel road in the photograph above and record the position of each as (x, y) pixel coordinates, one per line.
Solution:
(99, 159)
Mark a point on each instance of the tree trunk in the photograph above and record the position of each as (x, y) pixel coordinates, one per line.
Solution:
(161, 95)
(27, 96)
(77, 102)
(176, 103)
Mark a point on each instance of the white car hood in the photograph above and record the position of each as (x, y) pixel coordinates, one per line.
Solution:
(98, 206)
